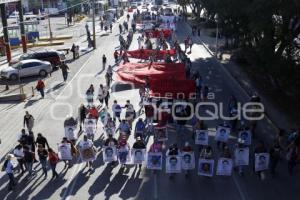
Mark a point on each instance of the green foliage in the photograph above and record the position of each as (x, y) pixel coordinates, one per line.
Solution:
(267, 28)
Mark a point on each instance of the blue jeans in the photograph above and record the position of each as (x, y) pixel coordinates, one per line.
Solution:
(65, 75)
(44, 166)
(29, 167)
(42, 92)
(12, 182)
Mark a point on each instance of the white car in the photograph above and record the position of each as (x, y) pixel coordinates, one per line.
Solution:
(26, 68)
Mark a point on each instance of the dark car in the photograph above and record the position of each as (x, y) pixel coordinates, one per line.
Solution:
(52, 56)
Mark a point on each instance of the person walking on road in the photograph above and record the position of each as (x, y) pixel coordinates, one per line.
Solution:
(41, 140)
(9, 169)
(111, 142)
(28, 159)
(41, 87)
(116, 56)
(65, 70)
(90, 95)
(85, 144)
(82, 115)
(116, 108)
(28, 121)
(43, 155)
(19, 154)
(275, 153)
(187, 149)
(110, 27)
(108, 78)
(102, 92)
(140, 145)
(172, 151)
(104, 59)
(53, 160)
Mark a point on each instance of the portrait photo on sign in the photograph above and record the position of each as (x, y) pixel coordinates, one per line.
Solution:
(222, 134)
(173, 164)
(241, 156)
(109, 154)
(188, 160)
(87, 154)
(224, 167)
(161, 133)
(262, 161)
(154, 161)
(246, 136)
(71, 133)
(138, 156)
(201, 137)
(90, 126)
(206, 167)
(64, 151)
(124, 156)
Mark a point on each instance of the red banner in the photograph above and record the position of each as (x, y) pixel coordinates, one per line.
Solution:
(158, 33)
(146, 53)
(137, 73)
(173, 88)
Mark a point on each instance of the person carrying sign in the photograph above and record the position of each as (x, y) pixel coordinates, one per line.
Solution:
(172, 151)
(139, 128)
(139, 144)
(87, 148)
(111, 142)
(187, 149)
(260, 148)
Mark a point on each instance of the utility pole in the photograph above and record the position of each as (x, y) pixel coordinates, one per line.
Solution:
(49, 22)
(94, 24)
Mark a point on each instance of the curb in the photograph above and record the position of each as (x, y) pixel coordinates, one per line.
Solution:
(232, 78)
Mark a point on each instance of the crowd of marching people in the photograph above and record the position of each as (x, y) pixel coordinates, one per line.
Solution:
(122, 123)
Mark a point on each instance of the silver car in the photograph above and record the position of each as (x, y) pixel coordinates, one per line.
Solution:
(25, 68)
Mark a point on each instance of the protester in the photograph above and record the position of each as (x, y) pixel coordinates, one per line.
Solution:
(90, 95)
(116, 56)
(139, 144)
(139, 129)
(9, 169)
(104, 59)
(172, 151)
(260, 148)
(116, 108)
(188, 149)
(65, 70)
(43, 155)
(28, 159)
(41, 140)
(53, 160)
(275, 152)
(19, 154)
(28, 121)
(87, 143)
(82, 111)
(102, 92)
(41, 87)
(111, 142)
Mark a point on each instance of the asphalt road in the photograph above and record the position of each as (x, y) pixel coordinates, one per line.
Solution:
(113, 183)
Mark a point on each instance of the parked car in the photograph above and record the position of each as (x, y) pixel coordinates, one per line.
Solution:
(26, 68)
(52, 56)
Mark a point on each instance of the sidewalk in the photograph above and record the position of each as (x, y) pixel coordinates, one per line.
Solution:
(279, 119)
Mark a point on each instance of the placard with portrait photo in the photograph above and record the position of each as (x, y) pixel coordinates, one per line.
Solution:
(206, 167)
(161, 133)
(222, 134)
(241, 156)
(173, 164)
(90, 126)
(246, 136)
(201, 137)
(188, 160)
(154, 160)
(64, 151)
(109, 154)
(71, 133)
(224, 167)
(262, 161)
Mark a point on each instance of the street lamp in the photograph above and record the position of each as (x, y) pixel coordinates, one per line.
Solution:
(49, 23)
(217, 34)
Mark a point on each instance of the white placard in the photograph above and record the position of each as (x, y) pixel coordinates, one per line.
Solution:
(154, 160)
(124, 156)
(201, 137)
(206, 167)
(90, 126)
(70, 132)
(241, 156)
(224, 167)
(222, 134)
(246, 136)
(173, 164)
(188, 160)
(65, 151)
(138, 156)
(262, 161)
(109, 154)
